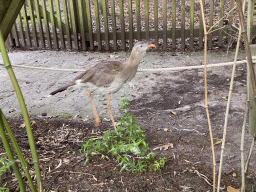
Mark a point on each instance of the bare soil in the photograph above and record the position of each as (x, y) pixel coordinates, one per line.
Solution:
(169, 106)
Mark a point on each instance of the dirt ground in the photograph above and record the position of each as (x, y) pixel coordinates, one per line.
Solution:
(169, 105)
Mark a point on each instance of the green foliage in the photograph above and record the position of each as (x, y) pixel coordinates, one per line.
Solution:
(3, 168)
(126, 144)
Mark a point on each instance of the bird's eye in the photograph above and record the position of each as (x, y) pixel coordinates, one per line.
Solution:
(140, 45)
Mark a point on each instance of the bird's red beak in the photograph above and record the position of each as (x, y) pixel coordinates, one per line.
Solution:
(152, 45)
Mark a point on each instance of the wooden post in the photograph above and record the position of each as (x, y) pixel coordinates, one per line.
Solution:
(252, 102)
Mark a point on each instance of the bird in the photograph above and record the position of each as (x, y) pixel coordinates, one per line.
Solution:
(109, 76)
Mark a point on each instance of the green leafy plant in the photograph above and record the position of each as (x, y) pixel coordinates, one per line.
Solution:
(127, 144)
(3, 168)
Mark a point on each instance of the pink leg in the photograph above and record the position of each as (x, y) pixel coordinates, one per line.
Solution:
(97, 119)
(109, 109)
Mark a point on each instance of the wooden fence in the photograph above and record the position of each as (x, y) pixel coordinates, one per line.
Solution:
(113, 24)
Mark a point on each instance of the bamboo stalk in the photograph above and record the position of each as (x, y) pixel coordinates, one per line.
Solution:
(242, 149)
(227, 110)
(206, 93)
(18, 151)
(11, 157)
(8, 66)
(249, 155)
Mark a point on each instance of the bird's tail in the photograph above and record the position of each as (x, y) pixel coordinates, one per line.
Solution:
(61, 89)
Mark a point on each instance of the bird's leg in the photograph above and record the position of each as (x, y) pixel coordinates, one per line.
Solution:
(97, 119)
(109, 109)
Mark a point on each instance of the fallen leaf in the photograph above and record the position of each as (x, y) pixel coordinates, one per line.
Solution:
(231, 189)
(22, 125)
(217, 142)
(234, 174)
(164, 147)
(166, 130)
(174, 113)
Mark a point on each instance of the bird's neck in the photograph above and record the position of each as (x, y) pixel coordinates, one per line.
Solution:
(134, 60)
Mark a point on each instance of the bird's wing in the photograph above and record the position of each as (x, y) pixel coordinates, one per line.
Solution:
(102, 74)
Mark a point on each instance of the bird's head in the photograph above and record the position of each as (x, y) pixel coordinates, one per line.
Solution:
(140, 48)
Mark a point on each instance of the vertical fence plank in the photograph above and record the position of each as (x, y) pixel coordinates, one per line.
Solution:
(173, 25)
(54, 32)
(114, 23)
(250, 19)
(130, 23)
(67, 25)
(147, 19)
(164, 24)
(138, 19)
(89, 18)
(82, 25)
(73, 24)
(46, 24)
(57, 3)
(230, 21)
(156, 22)
(192, 15)
(10, 39)
(183, 24)
(220, 36)
(121, 6)
(15, 35)
(39, 23)
(96, 9)
(27, 31)
(201, 30)
(22, 37)
(33, 24)
(211, 23)
(105, 15)
(72, 5)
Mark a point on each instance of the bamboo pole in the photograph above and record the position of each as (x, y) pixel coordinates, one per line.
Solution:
(18, 151)
(206, 93)
(23, 107)
(242, 149)
(11, 157)
(227, 110)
